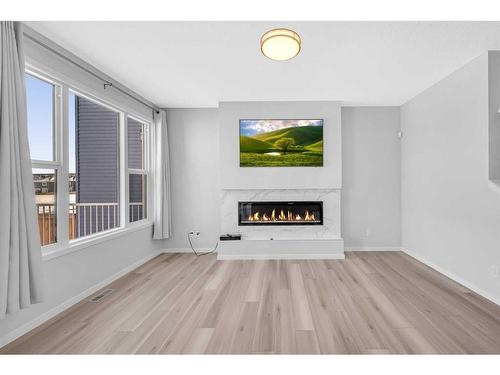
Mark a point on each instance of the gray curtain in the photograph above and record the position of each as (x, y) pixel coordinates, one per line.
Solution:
(20, 252)
(162, 207)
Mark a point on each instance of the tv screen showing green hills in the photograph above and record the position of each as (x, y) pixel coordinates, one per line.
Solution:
(281, 143)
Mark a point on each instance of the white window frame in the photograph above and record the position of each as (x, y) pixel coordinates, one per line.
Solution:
(56, 163)
(146, 168)
(61, 165)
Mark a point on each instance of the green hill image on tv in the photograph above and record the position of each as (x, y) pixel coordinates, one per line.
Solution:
(281, 143)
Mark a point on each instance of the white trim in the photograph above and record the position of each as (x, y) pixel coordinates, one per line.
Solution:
(57, 162)
(45, 164)
(279, 256)
(374, 248)
(146, 168)
(123, 167)
(92, 98)
(62, 187)
(141, 172)
(84, 242)
(18, 332)
(187, 250)
(52, 76)
(453, 277)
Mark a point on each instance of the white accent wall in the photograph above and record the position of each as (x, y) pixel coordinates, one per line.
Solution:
(281, 183)
(450, 210)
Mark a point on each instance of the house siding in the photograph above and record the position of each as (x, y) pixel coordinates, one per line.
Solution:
(97, 165)
(97, 150)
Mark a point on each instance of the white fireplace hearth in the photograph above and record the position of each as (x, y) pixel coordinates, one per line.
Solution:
(281, 249)
(282, 241)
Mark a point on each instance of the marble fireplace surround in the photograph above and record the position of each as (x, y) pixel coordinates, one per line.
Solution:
(282, 242)
(331, 214)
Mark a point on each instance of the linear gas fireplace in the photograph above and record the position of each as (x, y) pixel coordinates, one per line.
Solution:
(280, 213)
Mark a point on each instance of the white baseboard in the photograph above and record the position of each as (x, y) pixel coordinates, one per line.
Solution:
(18, 332)
(187, 250)
(454, 277)
(373, 248)
(278, 256)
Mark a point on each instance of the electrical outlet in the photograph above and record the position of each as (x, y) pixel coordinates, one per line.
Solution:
(195, 233)
(494, 271)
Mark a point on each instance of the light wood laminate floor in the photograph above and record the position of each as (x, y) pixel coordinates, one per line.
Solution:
(376, 302)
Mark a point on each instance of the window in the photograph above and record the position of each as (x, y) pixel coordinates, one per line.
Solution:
(93, 167)
(138, 179)
(40, 102)
(42, 131)
(90, 166)
(45, 181)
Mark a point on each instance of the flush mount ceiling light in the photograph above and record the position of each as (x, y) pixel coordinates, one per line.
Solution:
(280, 44)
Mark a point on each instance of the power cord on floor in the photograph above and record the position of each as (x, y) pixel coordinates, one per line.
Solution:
(198, 254)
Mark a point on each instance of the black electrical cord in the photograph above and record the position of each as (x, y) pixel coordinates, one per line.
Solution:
(198, 254)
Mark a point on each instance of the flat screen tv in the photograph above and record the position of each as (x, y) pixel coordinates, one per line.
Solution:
(281, 143)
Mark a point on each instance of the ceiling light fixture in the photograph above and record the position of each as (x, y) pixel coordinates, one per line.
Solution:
(280, 44)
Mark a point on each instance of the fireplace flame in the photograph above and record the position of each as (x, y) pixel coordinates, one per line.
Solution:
(288, 216)
(309, 216)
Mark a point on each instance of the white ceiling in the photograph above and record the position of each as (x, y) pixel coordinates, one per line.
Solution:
(198, 64)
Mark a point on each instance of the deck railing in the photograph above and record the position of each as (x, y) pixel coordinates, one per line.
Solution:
(135, 211)
(84, 219)
(95, 217)
(47, 225)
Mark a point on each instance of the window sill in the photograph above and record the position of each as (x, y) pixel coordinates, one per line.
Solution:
(55, 251)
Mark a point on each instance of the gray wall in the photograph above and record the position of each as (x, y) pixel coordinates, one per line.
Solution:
(371, 165)
(371, 191)
(494, 115)
(194, 158)
(450, 213)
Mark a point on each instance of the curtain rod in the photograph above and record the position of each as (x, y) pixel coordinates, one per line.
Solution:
(106, 82)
